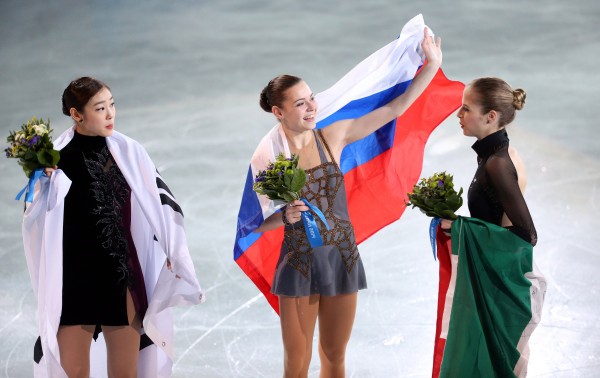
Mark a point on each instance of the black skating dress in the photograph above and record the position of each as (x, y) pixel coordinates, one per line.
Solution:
(99, 258)
(495, 188)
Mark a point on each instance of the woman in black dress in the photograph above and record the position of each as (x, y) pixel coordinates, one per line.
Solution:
(121, 226)
(103, 287)
(496, 192)
(494, 280)
(106, 249)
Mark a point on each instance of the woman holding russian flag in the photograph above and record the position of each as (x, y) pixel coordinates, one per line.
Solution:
(322, 282)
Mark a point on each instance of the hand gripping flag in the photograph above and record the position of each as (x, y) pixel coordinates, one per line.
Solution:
(378, 170)
(490, 300)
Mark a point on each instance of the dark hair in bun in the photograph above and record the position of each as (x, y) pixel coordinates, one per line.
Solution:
(79, 92)
(273, 93)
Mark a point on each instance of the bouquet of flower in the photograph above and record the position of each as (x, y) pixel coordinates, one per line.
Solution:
(32, 145)
(435, 196)
(282, 180)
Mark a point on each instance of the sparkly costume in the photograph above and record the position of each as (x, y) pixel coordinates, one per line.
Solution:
(99, 258)
(335, 267)
(144, 222)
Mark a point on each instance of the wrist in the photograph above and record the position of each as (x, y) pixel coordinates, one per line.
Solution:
(433, 65)
(284, 216)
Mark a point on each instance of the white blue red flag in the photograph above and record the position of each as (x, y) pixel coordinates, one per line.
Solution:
(378, 170)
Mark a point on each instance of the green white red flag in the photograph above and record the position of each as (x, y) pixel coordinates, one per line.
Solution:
(490, 300)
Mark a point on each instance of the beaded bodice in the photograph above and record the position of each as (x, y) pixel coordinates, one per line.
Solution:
(325, 189)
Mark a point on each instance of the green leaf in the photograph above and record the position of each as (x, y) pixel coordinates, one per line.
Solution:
(44, 158)
(272, 194)
(298, 180)
(287, 180)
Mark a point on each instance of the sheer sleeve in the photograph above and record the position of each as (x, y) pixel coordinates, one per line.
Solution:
(503, 177)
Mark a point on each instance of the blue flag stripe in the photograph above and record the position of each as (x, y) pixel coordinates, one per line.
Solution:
(362, 151)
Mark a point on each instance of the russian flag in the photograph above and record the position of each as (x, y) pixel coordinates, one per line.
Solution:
(378, 170)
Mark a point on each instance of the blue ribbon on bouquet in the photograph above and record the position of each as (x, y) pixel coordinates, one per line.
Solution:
(28, 190)
(433, 233)
(312, 231)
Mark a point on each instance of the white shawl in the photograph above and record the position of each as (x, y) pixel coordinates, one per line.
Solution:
(158, 233)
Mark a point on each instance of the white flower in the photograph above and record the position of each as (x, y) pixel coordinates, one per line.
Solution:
(40, 129)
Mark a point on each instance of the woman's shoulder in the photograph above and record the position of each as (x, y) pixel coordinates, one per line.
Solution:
(118, 136)
(499, 162)
(123, 139)
(515, 157)
(122, 145)
(507, 166)
(519, 167)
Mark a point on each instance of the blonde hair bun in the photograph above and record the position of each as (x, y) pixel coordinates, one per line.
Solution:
(519, 96)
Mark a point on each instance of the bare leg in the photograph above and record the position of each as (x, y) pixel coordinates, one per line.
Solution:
(123, 345)
(336, 318)
(298, 317)
(74, 345)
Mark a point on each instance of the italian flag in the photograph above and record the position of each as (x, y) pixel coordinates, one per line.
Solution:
(490, 301)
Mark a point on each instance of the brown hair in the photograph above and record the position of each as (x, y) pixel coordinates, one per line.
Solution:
(79, 92)
(496, 94)
(273, 93)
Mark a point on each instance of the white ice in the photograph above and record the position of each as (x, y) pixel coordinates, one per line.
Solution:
(186, 77)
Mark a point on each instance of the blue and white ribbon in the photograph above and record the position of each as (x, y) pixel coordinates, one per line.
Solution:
(433, 232)
(29, 188)
(312, 231)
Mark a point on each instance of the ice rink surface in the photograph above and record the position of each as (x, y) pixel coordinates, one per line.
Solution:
(186, 77)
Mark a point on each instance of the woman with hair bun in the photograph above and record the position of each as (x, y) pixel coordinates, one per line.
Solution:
(106, 249)
(496, 192)
(493, 291)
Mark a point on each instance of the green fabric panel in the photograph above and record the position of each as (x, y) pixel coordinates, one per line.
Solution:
(492, 304)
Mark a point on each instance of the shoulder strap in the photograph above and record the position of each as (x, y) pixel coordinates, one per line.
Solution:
(320, 134)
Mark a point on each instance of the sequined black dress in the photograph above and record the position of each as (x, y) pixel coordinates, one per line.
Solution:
(495, 188)
(335, 267)
(99, 257)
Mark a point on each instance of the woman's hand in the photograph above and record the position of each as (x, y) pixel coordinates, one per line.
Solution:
(293, 211)
(447, 226)
(432, 49)
(48, 170)
(170, 268)
(290, 214)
